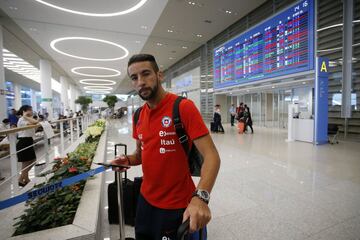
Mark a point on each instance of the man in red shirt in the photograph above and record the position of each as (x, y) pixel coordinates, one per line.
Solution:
(168, 194)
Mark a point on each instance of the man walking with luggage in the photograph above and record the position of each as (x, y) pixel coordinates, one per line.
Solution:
(168, 194)
(232, 112)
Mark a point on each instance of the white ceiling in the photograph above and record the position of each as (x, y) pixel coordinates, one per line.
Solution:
(144, 30)
(45, 24)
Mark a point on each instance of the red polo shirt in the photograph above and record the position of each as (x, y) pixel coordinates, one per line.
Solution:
(167, 182)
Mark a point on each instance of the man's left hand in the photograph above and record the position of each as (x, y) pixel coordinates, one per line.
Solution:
(199, 214)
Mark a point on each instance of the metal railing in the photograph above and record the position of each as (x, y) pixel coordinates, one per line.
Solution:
(83, 121)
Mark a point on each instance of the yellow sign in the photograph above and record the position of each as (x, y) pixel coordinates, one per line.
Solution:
(323, 67)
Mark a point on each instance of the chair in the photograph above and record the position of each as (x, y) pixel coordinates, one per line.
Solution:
(333, 132)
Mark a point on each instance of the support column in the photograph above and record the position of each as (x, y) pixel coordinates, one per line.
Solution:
(64, 93)
(3, 107)
(33, 100)
(72, 97)
(77, 94)
(45, 86)
(348, 15)
(17, 95)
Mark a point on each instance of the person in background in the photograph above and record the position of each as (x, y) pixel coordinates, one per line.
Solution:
(46, 116)
(217, 120)
(13, 118)
(247, 119)
(232, 111)
(71, 114)
(240, 113)
(66, 112)
(5, 125)
(27, 156)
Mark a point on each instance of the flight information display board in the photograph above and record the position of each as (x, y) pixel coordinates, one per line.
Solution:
(281, 45)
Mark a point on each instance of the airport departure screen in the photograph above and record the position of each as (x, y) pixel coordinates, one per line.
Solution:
(281, 45)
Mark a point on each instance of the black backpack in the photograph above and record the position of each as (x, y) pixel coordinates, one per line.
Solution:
(195, 158)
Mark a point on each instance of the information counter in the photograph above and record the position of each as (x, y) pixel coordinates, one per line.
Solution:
(303, 130)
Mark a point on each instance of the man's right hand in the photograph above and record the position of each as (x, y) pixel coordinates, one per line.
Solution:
(122, 160)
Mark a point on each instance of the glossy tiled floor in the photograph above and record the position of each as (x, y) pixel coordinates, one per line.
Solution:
(268, 188)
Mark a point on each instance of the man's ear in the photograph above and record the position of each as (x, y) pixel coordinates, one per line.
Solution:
(160, 76)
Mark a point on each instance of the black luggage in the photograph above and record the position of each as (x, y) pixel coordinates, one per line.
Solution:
(129, 197)
(183, 232)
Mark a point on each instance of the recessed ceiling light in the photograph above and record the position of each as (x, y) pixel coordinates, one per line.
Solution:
(159, 44)
(170, 31)
(199, 35)
(303, 82)
(13, 8)
(171, 58)
(144, 27)
(53, 43)
(116, 72)
(33, 29)
(184, 47)
(137, 41)
(191, 3)
(98, 88)
(135, 7)
(227, 11)
(95, 82)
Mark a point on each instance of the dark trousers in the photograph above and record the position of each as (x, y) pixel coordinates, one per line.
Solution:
(218, 127)
(249, 125)
(153, 223)
(232, 120)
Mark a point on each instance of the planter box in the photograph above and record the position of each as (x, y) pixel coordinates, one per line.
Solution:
(86, 223)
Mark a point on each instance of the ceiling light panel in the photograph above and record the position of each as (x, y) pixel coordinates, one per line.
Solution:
(78, 71)
(97, 82)
(97, 92)
(55, 41)
(138, 5)
(22, 67)
(98, 88)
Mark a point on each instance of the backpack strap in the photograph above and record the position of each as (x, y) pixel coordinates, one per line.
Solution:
(179, 127)
(137, 115)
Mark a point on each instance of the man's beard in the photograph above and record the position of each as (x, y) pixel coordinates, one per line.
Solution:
(153, 92)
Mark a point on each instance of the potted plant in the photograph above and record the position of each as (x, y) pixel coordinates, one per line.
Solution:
(111, 100)
(84, 101)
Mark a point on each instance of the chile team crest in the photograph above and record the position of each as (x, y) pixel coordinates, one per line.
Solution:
(166, 121)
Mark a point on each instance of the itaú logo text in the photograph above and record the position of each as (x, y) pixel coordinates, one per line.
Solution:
(167, 142)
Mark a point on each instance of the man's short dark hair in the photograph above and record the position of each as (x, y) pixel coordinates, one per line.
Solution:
(142, 57)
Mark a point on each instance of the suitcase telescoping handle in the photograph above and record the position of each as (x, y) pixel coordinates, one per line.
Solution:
(120, 145)
(183, 231)
(125, 152)
(118, 180)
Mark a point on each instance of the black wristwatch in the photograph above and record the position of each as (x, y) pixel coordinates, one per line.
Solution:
(202, 194)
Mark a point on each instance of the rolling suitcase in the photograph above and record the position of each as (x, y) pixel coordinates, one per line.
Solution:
(241, 127)
(212, 127)
(129, 207)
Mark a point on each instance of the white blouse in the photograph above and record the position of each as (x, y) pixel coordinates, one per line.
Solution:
(26, 133)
